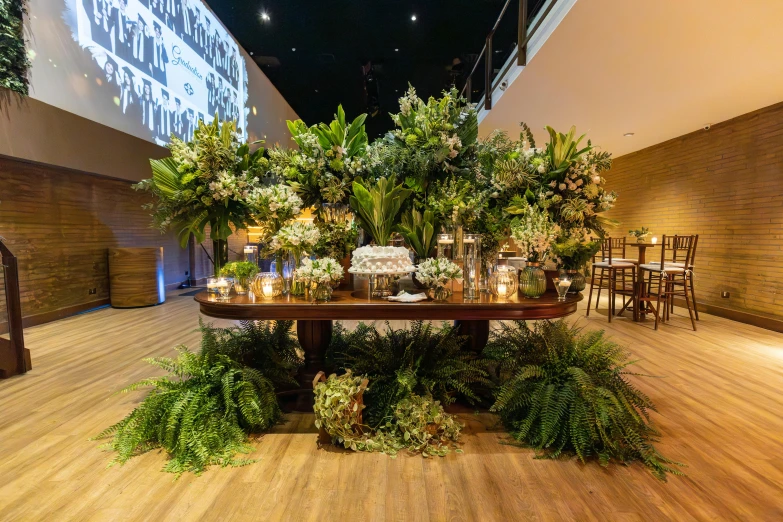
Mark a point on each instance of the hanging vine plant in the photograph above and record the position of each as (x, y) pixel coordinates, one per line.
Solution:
(14, 63)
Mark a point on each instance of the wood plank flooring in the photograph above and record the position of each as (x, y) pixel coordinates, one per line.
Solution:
(720, 397)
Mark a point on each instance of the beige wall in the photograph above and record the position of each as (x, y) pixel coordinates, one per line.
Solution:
(726, 185)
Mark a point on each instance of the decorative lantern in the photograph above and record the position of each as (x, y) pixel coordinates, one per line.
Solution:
(503, 282)
(267, 285)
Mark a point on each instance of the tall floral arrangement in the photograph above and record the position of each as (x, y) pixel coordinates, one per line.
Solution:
(534, 233)
(274, 207)
(327, 160)
(206, 182)
(432, 141)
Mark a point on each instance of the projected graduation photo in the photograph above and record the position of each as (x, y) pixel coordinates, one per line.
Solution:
(164, 64)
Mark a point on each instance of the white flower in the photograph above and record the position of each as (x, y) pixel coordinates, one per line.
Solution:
(535, 234)
(325, 270)
(296, 236)
(437, 272)
(561, 186)
(541, 169)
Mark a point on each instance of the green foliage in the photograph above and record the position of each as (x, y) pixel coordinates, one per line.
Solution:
(566, 391)
(239, 269)
(573, 253)
(416, 423)
(14, 63)
(419, 230)
(202, 411)
(271, 347)
(423, 360)
(327, 160)
(640, 232)
(337, 239)
(377, 207)
(563, 150)
(205, 182)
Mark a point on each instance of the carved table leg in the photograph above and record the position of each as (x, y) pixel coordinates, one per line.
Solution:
(478, 332)
(314, 336)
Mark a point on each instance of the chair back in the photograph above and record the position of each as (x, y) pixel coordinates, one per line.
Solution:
(678, 249)
(612, 247)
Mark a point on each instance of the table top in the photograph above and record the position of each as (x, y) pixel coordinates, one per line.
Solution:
(641, 245)
(353, 304)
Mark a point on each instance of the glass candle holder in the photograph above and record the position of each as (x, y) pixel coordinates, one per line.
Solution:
(446, 246)
(471, 247)
(212, 286)
(503, 282)
(654, 240)
(267, 285)
(562, 284)
(222, 287)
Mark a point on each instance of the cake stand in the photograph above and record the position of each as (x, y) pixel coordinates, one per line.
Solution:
(380, 282)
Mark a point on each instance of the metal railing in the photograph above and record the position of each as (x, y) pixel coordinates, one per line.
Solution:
(14, 357)
(528, 9)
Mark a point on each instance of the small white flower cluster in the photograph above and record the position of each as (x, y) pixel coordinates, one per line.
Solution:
(535, 234)
(438, 272)
(228, 186)
(298, 235)
(278, 202)
(325, 270)
(183, 155)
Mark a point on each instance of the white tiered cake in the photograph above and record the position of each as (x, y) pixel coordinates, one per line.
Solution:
(381, 260)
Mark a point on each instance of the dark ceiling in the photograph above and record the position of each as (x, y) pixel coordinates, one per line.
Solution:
(335, 38)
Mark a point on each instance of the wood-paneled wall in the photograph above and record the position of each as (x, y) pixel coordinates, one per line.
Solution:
(725, 184)
(60, 223)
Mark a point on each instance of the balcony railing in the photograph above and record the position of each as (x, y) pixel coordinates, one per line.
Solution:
(14, 357)
(516, 55)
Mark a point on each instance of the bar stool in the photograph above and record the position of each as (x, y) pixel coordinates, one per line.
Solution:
(673, 277)
(678, 253)
(609, 267)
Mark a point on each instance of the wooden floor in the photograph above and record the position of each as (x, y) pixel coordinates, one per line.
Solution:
(720, 398)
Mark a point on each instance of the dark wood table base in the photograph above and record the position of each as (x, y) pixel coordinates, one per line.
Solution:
(314, 321)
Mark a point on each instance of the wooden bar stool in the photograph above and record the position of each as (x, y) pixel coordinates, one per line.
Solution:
(671, 275)
(609, 267)
(678, 259)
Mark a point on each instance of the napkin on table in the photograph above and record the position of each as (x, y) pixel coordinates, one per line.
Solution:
(405, 297)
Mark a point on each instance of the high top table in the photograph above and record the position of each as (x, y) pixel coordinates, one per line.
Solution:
(314, 320)
(639, 313)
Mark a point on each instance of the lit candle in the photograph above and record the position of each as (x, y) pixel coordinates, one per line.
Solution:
(266, 289)
(654, 240)
(502, 289)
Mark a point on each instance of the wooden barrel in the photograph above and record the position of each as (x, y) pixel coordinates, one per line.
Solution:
(136, 277)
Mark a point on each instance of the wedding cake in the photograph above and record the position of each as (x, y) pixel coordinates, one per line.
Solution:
(381, 260)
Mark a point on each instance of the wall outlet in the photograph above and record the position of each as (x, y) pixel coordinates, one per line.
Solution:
(725, 294)
(92, 291)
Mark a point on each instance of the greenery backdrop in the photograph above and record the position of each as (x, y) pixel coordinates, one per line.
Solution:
(13, 57)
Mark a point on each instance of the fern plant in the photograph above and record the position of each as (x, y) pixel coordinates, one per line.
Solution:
(270, 347)
(422, 359)
(565, 391)
(200, 413)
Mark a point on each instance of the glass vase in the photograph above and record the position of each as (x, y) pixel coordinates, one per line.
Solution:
(439, 293)
(532, 281)
(241, 285)
(321, 292)
(578, 282)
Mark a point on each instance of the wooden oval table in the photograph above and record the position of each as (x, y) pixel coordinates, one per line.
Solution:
(314, 320)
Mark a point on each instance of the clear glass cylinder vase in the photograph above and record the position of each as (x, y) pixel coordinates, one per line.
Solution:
(532, 281)
(321, 292)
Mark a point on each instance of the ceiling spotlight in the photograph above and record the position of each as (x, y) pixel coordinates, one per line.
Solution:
(413, 18)
(265, 16)
(316, 90)
(396, 50)
(251, 53)
(628, 134)
(293, 49)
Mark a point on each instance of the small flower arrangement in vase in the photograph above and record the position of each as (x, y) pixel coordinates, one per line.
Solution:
(435, 274)
(535, 235)
(640, 234)
(243, 273)
(297, 238)
(320, 276)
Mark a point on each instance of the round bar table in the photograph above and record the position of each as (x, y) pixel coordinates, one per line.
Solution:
(314, 320)
(638, 312)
